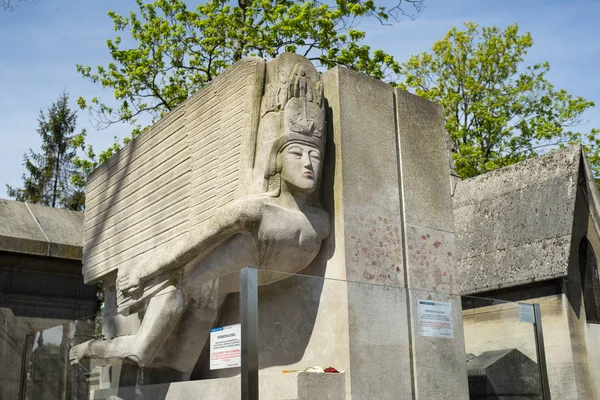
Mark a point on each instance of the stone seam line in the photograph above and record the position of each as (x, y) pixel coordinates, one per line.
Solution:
(39, 226)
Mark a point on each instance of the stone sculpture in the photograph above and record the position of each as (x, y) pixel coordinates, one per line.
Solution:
(273, 222)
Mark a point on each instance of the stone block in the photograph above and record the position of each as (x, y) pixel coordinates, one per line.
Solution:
(380, 349)
(392, 188)
(189, 164)
(313, 386)
(504, 374)
(366, 202)
(514, 225)
(386, 181)
(367, 192)
(292, 386)
(439, 362)
(40, 230)
(63, 228)
(18, 223)
(424, 162)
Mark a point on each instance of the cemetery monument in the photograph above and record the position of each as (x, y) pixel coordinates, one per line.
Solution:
(241, 175)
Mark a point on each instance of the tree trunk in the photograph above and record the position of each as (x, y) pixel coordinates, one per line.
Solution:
(238, 45)
(55, 188)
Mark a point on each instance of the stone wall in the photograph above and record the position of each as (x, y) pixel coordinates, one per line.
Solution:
(525, 224)
(41, 285)
(514, 225)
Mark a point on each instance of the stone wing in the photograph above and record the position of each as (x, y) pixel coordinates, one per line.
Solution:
(196, 159)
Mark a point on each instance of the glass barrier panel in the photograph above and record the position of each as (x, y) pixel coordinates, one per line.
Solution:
(302, 327)
(317, 338)
(45, 365)
(338, 338)
(172, 342)
(501, 349)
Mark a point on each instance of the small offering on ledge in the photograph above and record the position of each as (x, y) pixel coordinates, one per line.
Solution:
(317, 369)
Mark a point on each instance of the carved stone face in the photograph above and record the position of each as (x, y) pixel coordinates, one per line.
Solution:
(300, 167)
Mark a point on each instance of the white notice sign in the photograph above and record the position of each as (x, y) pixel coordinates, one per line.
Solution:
(226, 347)
(435, 319)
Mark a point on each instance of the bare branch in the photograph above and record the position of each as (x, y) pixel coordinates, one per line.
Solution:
(10, 5)
(397, 10)
(6, 5)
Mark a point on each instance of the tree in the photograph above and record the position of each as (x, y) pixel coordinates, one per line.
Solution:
(179, 51)
(498, 111)
(50, 172)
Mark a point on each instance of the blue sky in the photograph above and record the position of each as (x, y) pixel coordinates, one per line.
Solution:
(42, 41)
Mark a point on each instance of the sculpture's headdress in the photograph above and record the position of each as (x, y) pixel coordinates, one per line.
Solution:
(303, 116)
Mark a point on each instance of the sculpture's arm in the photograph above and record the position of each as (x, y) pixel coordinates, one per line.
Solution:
(237, 217)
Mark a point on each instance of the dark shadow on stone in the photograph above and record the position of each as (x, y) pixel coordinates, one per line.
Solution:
(521, 293)
(574, 282)
(590, 282)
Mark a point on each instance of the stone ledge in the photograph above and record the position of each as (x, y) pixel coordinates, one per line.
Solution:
(291, 386)
(39, 230)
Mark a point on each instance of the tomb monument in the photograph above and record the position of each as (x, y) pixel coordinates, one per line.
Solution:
(275, 166)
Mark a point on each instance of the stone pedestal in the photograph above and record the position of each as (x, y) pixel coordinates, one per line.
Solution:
(292, 386)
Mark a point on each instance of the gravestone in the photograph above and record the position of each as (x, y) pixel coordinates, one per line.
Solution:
(503, 374)
(240, 174)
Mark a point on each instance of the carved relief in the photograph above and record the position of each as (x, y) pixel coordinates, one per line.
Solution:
(280, 227)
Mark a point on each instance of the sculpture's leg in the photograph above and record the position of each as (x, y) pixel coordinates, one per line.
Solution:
(193, 334)
(162, 315)
(196, 323)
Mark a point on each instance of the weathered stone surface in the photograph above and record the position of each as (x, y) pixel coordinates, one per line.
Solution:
(424, 162)
(379, 342)
(431, 255)
(514, 225)
(374, 201)
(366, 202)
(253, 201)
(39, 230)
(366, 154)
(322, 386)
(376, 197)
(292, 386)
(176, 175)
(504, 374)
